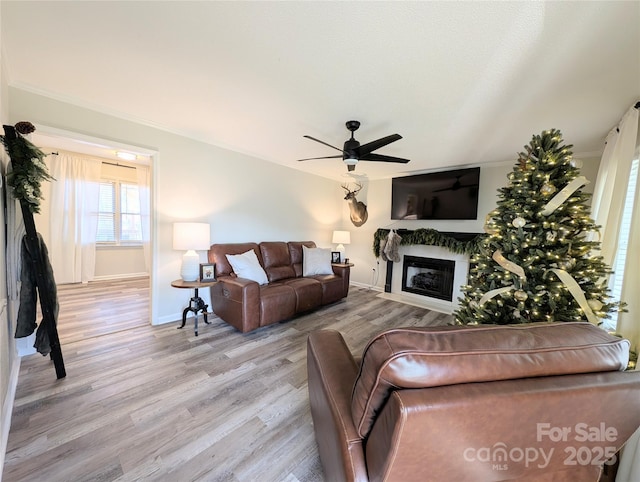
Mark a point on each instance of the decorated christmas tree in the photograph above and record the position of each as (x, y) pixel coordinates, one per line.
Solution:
(537, 262)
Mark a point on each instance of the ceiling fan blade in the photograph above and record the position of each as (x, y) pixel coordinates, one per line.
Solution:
(456, 188)
(325, 157)
(382, 158)
(322, 142)
(373, 145)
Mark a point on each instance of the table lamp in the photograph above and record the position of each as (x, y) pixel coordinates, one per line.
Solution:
(191, 237)
(341, 238)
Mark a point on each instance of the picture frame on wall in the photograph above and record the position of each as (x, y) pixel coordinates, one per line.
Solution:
(335, 256)
(207, 272)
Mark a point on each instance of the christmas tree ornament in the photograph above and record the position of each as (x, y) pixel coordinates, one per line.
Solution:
(547, 189)
(520, 295)
(594, 304)
(551, 236)
(566, 264)
(577, 163)
(519, 222)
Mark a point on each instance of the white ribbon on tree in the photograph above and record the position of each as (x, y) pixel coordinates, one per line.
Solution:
(577, 293)
(499, 258)
(510, 266)
(490, 294)
(563, 195)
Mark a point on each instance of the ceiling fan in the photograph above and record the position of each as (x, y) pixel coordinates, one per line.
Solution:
(353, 152)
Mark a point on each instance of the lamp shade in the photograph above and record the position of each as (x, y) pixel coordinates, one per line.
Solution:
(341, 237)
(188, 236)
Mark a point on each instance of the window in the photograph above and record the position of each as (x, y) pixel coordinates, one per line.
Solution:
(615, 282)
(119, 220)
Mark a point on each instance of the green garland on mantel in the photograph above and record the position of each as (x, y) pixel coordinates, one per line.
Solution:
(431, 237)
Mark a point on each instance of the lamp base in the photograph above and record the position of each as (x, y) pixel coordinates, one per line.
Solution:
(340, 248)
(190, 269)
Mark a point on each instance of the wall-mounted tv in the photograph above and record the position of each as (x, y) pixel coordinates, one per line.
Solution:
(437, 195)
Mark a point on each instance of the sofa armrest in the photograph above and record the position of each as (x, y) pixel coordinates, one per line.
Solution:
(237, 301)
(343, 271)
(331, 373)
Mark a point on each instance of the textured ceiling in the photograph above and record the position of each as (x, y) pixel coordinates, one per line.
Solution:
(462, 82)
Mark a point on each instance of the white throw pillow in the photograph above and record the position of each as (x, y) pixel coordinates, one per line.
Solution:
(316, 261)
(246, 265)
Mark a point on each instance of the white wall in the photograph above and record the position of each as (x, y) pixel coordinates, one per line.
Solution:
(243, 198)
(9, 361)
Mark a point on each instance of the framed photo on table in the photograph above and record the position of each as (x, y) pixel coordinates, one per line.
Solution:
(207, 272)
(335, 256)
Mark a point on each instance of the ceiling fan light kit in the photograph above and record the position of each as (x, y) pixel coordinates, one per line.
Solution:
(353, 152)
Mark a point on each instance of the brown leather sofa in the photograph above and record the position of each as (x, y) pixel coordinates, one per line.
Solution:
(539, 402)
(246, 305)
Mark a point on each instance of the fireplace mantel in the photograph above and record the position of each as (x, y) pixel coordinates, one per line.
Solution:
(459, 243)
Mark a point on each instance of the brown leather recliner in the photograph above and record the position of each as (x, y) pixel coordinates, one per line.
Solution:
(536, 402)
(247, 306)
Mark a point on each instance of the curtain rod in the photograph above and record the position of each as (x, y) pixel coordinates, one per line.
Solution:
(103, 162)
(118, 165)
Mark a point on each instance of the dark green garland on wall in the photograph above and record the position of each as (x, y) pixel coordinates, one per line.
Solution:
(431, 237)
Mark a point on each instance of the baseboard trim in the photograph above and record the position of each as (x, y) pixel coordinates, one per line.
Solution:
(119, 276)
(365, 286)
(429, 305)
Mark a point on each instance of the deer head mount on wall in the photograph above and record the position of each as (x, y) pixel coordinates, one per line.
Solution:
(357, 209)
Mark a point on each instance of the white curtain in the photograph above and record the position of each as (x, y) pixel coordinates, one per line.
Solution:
(74, 217)
(607, 207)
(144, 183)
(611, 184)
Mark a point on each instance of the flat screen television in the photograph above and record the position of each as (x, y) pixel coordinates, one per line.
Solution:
(437, 195)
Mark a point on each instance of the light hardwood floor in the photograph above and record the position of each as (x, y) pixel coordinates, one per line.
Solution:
(155, 403)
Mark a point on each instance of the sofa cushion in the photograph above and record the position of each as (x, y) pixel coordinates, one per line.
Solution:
(332, 287)
(277, 303)
(308, 293)
(246, 265)
(316, 261)
(218, 255)
(295, 252)
(276, 260)
(436, 356)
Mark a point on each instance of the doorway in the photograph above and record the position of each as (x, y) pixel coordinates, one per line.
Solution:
(116, 299)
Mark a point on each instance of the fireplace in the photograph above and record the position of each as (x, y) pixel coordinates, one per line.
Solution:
(428, 276)
(428, 289)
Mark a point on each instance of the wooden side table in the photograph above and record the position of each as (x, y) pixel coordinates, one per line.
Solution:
(196, 303)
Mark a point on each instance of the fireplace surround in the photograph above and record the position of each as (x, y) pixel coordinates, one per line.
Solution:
(447, 303)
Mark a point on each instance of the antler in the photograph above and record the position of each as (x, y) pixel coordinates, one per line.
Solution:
(349, 191)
